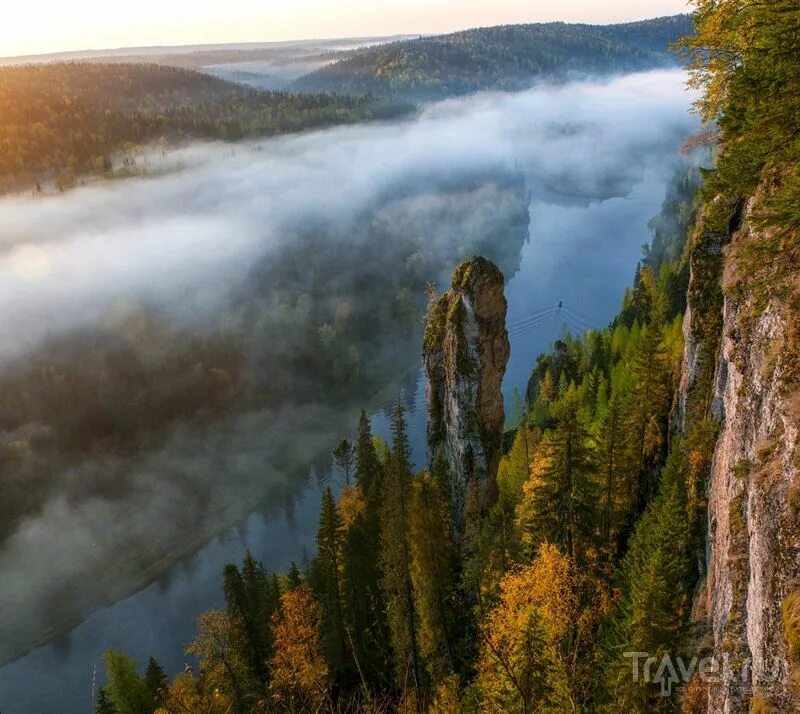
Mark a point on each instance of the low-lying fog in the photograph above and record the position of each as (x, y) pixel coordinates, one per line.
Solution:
(191, 245)
(184, 238)
(275, 66)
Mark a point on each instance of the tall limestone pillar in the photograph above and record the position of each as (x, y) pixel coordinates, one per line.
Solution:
(466, 350)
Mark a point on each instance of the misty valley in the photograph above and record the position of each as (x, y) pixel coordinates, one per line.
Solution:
(410, 373)
(180, 384)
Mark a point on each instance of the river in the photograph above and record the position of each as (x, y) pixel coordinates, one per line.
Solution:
(590, 203)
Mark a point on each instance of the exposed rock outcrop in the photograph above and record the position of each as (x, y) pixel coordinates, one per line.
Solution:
(753, 547)
(466, 350)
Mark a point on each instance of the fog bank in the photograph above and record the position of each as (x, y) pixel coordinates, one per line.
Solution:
(186, 244)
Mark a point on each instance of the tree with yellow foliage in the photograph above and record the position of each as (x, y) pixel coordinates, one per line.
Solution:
(223, 669)
(744, 57)
(351, 506)
(187, 694)
(298, 666)
(521, 664)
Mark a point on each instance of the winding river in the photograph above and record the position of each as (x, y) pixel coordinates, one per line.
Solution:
(596, 160)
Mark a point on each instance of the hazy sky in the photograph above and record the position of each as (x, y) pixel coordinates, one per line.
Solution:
(57, 25)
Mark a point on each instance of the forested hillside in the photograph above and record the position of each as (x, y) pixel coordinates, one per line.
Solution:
(507, 57)
(61, 121)
(647, 503)
(83, 411)
(547, 592)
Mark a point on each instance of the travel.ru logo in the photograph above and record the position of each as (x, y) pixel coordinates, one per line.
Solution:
(667, 671)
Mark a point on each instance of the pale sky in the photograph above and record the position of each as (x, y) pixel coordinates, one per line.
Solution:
(43, 26)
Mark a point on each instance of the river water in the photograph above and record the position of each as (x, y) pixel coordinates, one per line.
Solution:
(589, 208)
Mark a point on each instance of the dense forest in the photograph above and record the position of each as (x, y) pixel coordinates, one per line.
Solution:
(596, 542)
(507, 57)
(745, 61)
(85, 413)
(61, 121)
(65, 121)
(393, 614)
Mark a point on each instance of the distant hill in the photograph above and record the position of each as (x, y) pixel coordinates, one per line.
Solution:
(195, 56)
(63, 120)
(506, 57)
(261, 65)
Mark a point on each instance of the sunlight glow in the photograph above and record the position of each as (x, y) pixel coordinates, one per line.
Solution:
(54, 26)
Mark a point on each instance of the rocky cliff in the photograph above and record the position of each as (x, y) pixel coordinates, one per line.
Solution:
(466, 350)
(741, 370)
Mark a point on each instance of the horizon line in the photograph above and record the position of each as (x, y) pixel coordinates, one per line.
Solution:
(188, 48)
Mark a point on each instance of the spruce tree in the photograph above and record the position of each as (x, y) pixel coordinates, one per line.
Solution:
(104, 705)
(368, 467)
(395, 558)
(560, 508)
(126, 689)
(656, 584)
(294, 578)
(328, 585)
(251, 596)
(614, 469)
(648, 413)
(363, 595)
(156, 681)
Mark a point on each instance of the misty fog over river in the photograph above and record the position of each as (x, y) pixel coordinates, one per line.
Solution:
(285, 279)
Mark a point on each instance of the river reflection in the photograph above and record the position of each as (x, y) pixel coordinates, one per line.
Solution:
(581, 252)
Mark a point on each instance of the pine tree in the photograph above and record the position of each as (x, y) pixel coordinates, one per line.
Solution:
(104, 704)
(156, 681)
(559, 503)
(343, 457)
(251, 596)
(395, 559)
(327, 582)
(433, 575)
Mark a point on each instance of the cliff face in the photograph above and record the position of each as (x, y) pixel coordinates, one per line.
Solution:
(749, 335)
(466, 350)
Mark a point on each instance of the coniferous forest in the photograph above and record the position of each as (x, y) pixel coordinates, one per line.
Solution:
(601, 539)
(62, 122)
(503, 58)
(596, 541)
(596, 522)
